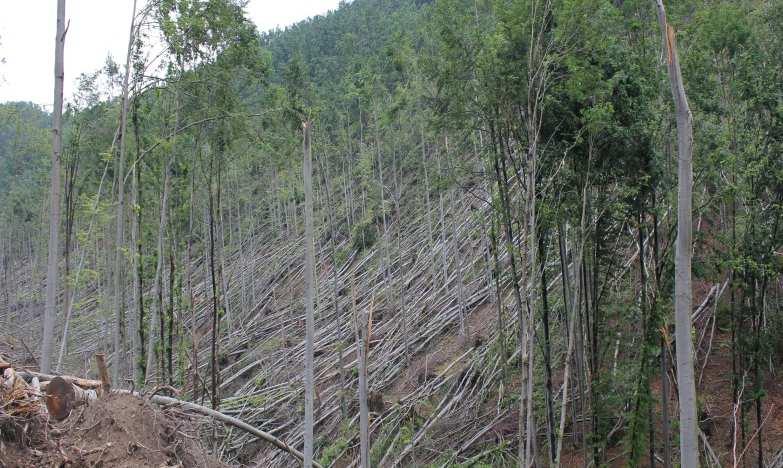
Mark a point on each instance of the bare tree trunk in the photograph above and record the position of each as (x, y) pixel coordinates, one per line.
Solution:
(221, 253)
(550, 414)
(215, 372)
(309, 296)
(497, 288)
(429, 206)
(361, 353)
(54, 198)
(137, 330)
(71, 169)
(5, 265)
(386, 262)
(157, 285)
(170, 316)
(689, 442)
(402, 291)
(667, 451)
(578, 262)
(191, 305)
(338, 325)
(119, 238)
(443, 249)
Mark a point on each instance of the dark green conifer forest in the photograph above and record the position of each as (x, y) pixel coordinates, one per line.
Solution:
(420, 232)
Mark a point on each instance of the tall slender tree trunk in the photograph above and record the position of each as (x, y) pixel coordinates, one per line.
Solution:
(496, 274)
(309, 296)
(158, 282)
(666, 429)
(550, 414)
(214, 364)
(443, 246)
(119, 315)
(170, 318)
(361, 352)
(338, 325)
(429, 206)
(71, 169)
(189, 274)
(137, 330)
(54, 194)
(689, 442)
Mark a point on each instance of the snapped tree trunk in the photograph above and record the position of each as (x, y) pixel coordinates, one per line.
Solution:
(689, 442)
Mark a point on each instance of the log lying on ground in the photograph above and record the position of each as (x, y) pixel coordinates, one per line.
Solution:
(62, 396)
(83, 383)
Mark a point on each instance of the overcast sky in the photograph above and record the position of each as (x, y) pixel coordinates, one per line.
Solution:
(97, 28)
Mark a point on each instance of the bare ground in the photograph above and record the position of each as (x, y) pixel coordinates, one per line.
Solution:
(115, 431)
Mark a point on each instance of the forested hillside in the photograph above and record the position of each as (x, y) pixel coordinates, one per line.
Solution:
(414, 233)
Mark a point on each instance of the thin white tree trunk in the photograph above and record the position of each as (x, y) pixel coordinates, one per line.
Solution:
(689, 442)
(54, 197)
(571, 323)
(443, 249)
(157, 308)
(135, 320)
(309, 383)
(361, 352)
(429, 206)
(117, 361)
(464, 329)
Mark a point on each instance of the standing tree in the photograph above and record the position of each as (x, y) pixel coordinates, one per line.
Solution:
(54, 216)
(120, 234)
(309, 294)
(689, 442)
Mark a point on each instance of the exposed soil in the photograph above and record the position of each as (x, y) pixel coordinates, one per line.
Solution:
(116, 431)
(427, 365)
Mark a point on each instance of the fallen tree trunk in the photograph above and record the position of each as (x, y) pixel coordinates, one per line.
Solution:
(83, 383)
(63, 396)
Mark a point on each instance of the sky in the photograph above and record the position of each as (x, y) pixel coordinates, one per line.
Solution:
(97, 28)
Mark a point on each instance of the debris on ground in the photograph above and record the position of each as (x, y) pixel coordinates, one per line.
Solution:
(112, 430)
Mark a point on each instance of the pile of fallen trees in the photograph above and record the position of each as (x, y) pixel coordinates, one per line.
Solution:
(22, 415)
(27, 396)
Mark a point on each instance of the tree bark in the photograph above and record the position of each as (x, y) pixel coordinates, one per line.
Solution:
(158, 286)
(689, 442)
(137, 330)
(120, 233)
(309, 295)
(215, 372)
(54, 217)
(361, 353)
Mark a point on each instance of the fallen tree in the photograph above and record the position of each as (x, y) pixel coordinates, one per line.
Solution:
(83, 383)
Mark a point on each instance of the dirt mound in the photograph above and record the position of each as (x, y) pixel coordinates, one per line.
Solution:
(115, 431)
